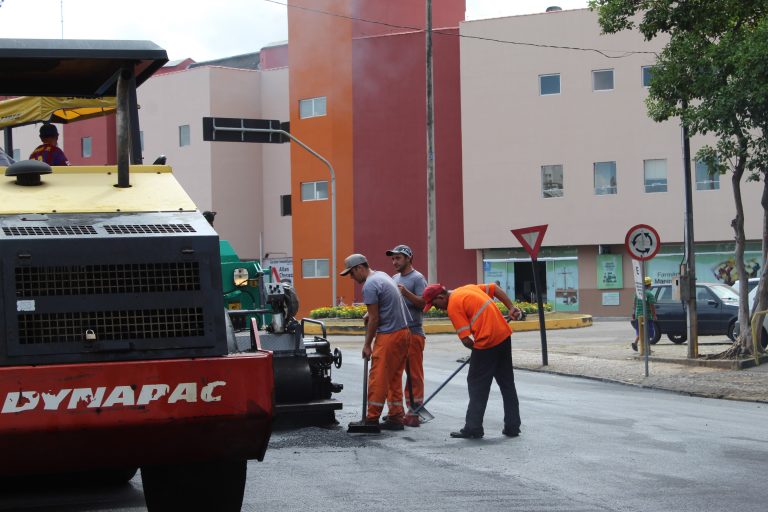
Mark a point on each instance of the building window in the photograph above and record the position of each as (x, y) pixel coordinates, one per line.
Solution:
(311, 269)
(647, 71)
(706, 178)
(655, 175)
(285, 205)
(17, 154)
(312, 107)
(605, 178)
(314, 191)
(184, 135)
(86, 147)
(549, 84)
(552, 181)
(602, 80)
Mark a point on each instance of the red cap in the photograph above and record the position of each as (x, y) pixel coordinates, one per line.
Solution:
(430, 292)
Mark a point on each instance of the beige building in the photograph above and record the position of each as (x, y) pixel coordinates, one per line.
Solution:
(560, 136)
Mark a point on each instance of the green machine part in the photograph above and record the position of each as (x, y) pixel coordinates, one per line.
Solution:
(241, 281)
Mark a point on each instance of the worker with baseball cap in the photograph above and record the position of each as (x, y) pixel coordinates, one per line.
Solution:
(484, 330)
(49, 151)
(387, 325)
(411, 284)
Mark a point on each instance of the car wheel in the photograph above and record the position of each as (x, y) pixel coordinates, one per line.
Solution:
(732, 330)
(677, 339)
(656, 334)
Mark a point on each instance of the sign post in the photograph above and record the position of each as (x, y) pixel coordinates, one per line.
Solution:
(642, 243)
(531, 238)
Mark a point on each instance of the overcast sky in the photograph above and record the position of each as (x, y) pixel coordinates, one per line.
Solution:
(197, 29)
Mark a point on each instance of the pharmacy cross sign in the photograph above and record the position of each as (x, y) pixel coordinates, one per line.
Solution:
(642, 242)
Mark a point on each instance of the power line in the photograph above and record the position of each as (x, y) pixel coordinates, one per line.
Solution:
(604, 53)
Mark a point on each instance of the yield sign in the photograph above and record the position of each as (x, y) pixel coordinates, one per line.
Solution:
(531, 238)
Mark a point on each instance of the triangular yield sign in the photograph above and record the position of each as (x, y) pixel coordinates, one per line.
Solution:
(531, 238)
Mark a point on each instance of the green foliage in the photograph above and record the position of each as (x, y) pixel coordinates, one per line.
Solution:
(359, 311)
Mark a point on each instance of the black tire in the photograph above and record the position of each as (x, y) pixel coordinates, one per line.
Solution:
(677, 339)
(731, 330)
(656, 334)
(204, 486)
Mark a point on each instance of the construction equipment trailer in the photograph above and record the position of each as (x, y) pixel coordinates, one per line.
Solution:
(115, 350)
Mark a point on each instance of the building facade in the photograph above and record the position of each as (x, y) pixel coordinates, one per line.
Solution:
(561, 137)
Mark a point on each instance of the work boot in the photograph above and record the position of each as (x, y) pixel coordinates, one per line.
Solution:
(467, 434)
(392, 425)
(634, 346)
(511, 432)
(412, 420)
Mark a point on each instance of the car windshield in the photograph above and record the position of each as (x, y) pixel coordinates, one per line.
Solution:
(725, 292)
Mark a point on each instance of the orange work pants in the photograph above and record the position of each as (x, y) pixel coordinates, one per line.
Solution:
(416, 369)
(386, 376)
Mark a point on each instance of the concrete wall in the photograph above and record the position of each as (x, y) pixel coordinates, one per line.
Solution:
(510, 131)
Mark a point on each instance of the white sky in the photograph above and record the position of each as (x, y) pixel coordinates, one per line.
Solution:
(202, 30)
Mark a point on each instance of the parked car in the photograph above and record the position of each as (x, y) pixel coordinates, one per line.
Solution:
(763, 333)
(751, 284)
(717, 309)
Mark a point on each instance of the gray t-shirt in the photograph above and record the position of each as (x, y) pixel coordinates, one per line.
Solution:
(415, 283)
(380, 289)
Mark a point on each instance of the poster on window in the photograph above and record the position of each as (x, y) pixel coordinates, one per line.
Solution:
(283, 267)
(566, 284)
(497, 272)
(710, 268)
(609, 275)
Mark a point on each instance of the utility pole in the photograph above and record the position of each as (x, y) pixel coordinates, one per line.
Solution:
(431, 206)
(688, 268)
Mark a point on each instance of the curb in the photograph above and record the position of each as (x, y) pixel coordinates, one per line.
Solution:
(355, 326)
(725, 364)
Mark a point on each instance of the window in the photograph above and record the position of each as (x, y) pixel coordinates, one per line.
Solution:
(312, 107)
(655, 175)
(647, 71)
(314, 191)
(17, 154)
(86, 147)
(552, 181)
(706, 179)
(184, 135)
(549, 84)
(311, 269)
(602, 80)
(665, 295)
(605, 178)
(285, 205)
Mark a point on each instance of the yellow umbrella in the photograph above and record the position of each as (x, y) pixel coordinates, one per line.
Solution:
(34, 109)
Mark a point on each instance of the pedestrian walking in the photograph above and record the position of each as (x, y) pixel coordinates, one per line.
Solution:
(637, 312)
(484, 330)
(411, 284)
(386, 341)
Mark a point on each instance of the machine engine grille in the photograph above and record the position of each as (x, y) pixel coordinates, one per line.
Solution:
(107, 279)
(143, 229)
(46, 328)
(48, 230)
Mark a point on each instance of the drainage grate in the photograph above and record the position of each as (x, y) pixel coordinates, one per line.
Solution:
(107, 279)
(48, 230)
(48, 328)
(142, 229)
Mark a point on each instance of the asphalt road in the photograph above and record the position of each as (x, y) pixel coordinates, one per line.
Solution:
(586, 446)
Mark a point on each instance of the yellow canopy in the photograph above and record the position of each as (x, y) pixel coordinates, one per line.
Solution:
(34, 109)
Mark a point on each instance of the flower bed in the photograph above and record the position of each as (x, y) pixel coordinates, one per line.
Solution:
(359, 310)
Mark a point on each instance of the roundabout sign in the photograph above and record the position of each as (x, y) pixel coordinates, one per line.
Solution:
(642, 242)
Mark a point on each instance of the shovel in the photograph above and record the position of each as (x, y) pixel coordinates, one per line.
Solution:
(421, 407)
(423, 414)
(362, 427)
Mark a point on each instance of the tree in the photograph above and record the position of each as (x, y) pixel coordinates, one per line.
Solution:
(712, 75)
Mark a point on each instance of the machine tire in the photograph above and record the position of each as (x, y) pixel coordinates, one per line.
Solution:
(677, 339)
(731, 330)
(291, 301)
(203, 486)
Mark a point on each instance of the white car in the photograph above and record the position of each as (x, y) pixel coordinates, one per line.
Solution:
(763, 331)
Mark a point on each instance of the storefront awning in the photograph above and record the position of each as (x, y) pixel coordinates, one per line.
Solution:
(34, 109)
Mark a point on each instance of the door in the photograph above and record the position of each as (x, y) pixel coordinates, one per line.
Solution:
(671, 318)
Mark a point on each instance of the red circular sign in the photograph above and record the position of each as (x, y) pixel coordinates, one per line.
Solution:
(642, 242)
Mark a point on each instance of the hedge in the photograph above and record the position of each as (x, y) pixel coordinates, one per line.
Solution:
(359, 311)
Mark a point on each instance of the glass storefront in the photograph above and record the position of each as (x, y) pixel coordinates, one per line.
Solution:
(557, 267)
(714, 263)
